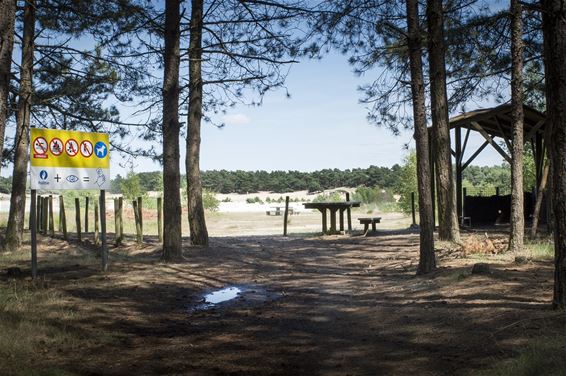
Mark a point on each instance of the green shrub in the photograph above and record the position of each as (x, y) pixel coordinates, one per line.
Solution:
(408, 182)
(209, 200)
(372, 195)
(255, 200)
(329, 197)
(131, 186)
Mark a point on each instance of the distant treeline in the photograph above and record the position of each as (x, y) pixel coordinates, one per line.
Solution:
(286, 181)
(223, 181)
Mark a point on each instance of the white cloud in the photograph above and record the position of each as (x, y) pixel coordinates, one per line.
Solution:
(235, 119)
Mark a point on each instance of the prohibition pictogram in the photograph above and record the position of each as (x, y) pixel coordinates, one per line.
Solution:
(40, 147)
(86, 148)
(71, 147)
(56, 146)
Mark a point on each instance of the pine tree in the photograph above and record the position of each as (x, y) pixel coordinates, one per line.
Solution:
(427, 260)
(60, 86)
(15, 228)
(172, 242)
(7, 22)
(448, 228)
(554, 29)
(517, 192)
(197, 223)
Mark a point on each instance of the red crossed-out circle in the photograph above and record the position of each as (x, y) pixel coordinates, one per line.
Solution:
(56, 146)
(40, 145)
(86, 148)
(71, 147)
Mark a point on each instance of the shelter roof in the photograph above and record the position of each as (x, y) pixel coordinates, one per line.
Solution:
(496, 121)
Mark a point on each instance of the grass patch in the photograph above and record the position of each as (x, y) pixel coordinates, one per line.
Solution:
(458, 276)
(546, 355)
(39, 326)
(28, 316)
(540, 250)
(390, 207)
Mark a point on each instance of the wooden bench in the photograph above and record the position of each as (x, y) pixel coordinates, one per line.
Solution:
(367, 221)
(277, 210)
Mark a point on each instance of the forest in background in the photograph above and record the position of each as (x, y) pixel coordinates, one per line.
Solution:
(396, 179)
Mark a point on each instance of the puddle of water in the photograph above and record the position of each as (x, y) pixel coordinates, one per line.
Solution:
(249, 295)
(223, 295)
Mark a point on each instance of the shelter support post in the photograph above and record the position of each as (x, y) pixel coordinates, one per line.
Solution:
(538, 154)
(432, 174)
(459, 172)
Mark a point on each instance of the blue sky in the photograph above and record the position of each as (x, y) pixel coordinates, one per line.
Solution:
(322, 125)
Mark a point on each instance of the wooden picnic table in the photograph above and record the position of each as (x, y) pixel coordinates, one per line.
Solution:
(333, 207)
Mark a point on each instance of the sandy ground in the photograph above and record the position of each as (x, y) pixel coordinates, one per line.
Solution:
(236, 217)
(229, 203)
(334, 305)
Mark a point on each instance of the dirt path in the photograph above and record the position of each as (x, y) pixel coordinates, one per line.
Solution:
(311, 306)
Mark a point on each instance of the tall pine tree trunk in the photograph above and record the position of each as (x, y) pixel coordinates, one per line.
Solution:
(517, 234)
(7, 20)
(448, 228)
(15, 229)
(554, 30)
(197, 224)
(427, 261)
(172, 216)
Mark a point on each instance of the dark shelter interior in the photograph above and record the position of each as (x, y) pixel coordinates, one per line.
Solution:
(493, 124)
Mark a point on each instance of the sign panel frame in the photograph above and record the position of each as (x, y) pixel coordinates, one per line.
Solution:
(62, 159)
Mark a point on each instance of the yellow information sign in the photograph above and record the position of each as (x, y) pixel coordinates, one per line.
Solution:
(69, 159)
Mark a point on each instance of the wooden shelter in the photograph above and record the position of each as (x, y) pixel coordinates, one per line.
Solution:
(492, 123)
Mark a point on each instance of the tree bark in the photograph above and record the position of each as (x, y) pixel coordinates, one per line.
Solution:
(7, 21)
(15, 229)
(516, 236)
(554, 31)
(448, 228)
(197, 224)
(427, 261)
(538, 203)
(172, 216)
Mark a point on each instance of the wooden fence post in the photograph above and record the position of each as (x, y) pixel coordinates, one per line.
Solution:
(45, 214)
(39, 203)
(104, 257)
(160, 219)
(96, 234)
(63, 216)
(349, 213)
(86, 214)
(137, 220)
(60, 227)
(413, 209)
(78, 217)
(116, 225)
(51, 220)
(286, 216)
(121, 213)
(140, 210)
